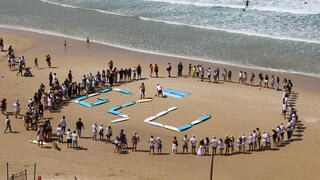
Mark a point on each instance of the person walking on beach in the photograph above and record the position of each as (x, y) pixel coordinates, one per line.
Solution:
(16, 108)
(134, 140)
(79, 126)
(48, 60)
(151, 69)
(36, 65)
(142, 91)
(63, 124)
(156, 70)
(19, 69)
(60, 134)
(169, 69)
(8, 125)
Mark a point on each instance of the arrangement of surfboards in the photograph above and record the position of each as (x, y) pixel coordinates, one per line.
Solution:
(149, 120)
(81, 101)
(181, 128)
(124, 117)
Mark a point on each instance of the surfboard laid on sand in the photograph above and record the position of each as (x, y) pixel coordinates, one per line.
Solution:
(144, 100)
(120, 120)
(36, 142)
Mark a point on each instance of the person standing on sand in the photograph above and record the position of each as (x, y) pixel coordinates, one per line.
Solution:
(142, 91)
(201, 150)
(244, 141)
(16, 108)
(74, 140)
(214, 143)
(221, 146)
(20, 69)
(63, 124)
(69, 138)
(156, 70)
(151, 145)
(209, 74)
(50, 78)
(190, 69)
(159, 145)
(151, 69)
(185, 141)
(193, 141)
(94, 131)
(4, 106)
(229, 76)
(60, 134)
(40, 136)
(134, 140)
(100, 132)
(65, 44)
(8, 125)
(48, 60)
(110, 64)
(175, 145)
(79, 126)
(227, 143)
(1, 44)
(109, 133)
(169, 69)
(88, 41)
(139, 71)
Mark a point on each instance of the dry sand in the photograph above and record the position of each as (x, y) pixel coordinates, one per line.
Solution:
(235, 109)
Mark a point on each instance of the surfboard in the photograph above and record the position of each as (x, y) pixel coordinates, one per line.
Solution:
(105, 90)
(161, 113)
(155, 124)
(94, 94)
(171, 128)
(172, 108)
(185, 127)
(128, 104)
(195, 122)
(36, 142)
(123, 115)
(84, 103)
(120, 120)
(144, 100)
(150, 119)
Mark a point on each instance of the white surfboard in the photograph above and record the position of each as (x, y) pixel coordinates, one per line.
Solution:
(123, 115)
(195, 122)
(116, 89)
(155, 124)
(172, 108)
(171, 128)
(94, 94)
(36, 142)
(150, 119)
(120, 120)
(161, 113)
(144, 100)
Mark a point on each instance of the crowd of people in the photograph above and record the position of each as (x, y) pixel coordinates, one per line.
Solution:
(50, 99)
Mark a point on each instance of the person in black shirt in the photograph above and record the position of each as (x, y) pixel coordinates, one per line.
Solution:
(79, 125)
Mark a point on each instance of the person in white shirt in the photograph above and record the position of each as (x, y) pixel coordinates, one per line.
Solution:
(251, 140)
(59, 134)
(282, 131)
(239, 143)
(244, 141)
(185, 141)
(151, 145)
(240, 77)
(255, 139)
(94, 131)
(63, 124)
(214, 143)
(69, 138)
(159, 89)
(193, 141)
(109, 133)
(16, 108)
(100, 131)
(220, 146)
(74, 140)
(209, 74)
(264, 139)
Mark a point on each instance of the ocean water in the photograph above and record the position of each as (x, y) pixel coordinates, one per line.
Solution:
(281, 35)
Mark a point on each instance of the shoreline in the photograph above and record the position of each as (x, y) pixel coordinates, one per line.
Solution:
(34, 33)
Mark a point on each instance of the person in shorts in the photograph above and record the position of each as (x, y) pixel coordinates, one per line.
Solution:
(109, 133)
(69, 138)
(159, 89)
(193, 141)
(79, 126)
(151, 145)
(142, 91)
(159, 145)
(185, 141)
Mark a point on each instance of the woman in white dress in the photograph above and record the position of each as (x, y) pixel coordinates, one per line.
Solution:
(201, 148)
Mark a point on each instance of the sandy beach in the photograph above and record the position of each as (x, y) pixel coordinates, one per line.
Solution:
(235, 109)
